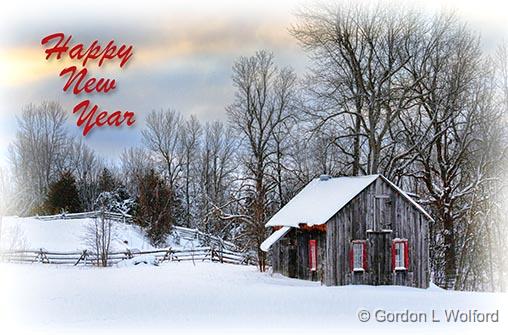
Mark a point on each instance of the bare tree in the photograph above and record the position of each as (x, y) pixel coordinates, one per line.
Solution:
(38, 152)
(135, 162)
(5, 196)
(217, 174)
(100, 232)
(190, 138)
(481, 232)
(86, 167)
(12, 237)
(260, 106)
(285, 93)
(482, 265)
(163, 137)
(359, 84)
(450, 110)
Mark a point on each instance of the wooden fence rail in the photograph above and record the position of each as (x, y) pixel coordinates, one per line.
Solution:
(87, 257)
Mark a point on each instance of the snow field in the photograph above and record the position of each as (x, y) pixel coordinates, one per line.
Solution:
(198, 297)
(186, 297)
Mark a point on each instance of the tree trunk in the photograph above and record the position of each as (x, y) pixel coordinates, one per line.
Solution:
(356, 145)
(450, 266)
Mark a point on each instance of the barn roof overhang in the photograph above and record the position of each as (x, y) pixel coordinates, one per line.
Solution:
(278, 234)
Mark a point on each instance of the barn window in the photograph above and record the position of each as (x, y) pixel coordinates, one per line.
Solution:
(400, 255)
(358, 255)
(313, 255)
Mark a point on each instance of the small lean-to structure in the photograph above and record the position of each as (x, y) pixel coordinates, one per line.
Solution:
(351, 230)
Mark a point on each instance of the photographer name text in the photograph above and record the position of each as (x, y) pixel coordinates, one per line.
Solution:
(432, 316)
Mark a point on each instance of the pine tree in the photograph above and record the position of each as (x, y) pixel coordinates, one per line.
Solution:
(63, 195)
(107, 182)
(154, 207)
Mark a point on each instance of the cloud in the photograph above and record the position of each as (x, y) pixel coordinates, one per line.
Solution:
(183, 54)
(158, 45)
(23, 65)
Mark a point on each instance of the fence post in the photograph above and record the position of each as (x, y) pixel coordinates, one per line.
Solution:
(82, 257)
(128, 253)
(168, 256)
(42, 256)
(216, 255)
(212, 254)
(208, 252)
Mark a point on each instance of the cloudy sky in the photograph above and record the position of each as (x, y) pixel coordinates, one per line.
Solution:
(183, 53)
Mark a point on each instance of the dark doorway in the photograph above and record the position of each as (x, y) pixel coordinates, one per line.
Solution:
(293, 255)
(379, 244)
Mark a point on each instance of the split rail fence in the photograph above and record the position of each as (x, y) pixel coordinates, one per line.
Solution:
(87, 257)
(215, 249)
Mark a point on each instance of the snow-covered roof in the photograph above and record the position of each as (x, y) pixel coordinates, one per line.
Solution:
(322, 198)
(274, 238)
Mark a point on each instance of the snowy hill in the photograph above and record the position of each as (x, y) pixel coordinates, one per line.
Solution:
(70, 235)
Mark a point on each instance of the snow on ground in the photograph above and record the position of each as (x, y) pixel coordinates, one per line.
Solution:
(69, 235)
(198, 297)
(218, 298)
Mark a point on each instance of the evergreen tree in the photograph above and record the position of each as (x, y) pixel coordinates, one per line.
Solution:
(107, 182)
(63, 195)
(154, 207)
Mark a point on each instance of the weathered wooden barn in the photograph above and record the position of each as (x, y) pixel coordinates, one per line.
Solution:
(351, 230)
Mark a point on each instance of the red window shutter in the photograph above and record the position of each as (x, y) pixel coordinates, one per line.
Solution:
(312, 255)
(406, 255)
(364, 243)
(393, 255)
